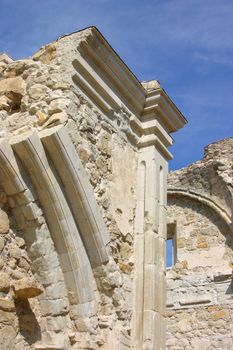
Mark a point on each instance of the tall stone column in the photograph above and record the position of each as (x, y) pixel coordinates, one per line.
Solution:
(150, 223)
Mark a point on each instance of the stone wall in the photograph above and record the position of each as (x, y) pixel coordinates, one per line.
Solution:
(200, 285)
(37, 94)
(77, 128)
(18, 323)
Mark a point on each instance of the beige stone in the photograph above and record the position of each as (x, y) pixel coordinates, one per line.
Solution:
(2, 262)
(46, 54)
(14, 251)
(2, 243)
(41, 117)
(202, 291)
(89, 198)
(4, 222)
(3, 197)
(4, 282)
(20, 242)
(24, 264)
(60, 85)
(7, 336)
(7, 304)
(26, 288)
(201, 344)
(5, 58)
(16, 274)
(180, 242)
(220, 314)
(7, 317)
(4, 103)
(201, 242)
(83, 154)
(58, 105)
(37, 90)
(56, 119)
(14, 85)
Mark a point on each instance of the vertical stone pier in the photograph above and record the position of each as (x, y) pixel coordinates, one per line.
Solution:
(159, 118)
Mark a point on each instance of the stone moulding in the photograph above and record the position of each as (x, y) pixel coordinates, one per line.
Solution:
(79, 193)
(66, 197)
(151, 133)
(109, 86)
(69, 247)
(158, 103)
(20, 199)
(149, 246)
(10, 178)
(193, 195)
(94, 86)
(101, 56)
(104, 79)
(151, 126)
(115, 79)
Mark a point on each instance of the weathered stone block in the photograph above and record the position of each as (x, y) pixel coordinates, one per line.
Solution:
(26, 288)
(7, 304)
(12, 86)
(36, 91)
(4, 282)
(4, 222)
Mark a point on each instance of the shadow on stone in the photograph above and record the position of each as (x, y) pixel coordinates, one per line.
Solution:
(28, 324)
(230, 288)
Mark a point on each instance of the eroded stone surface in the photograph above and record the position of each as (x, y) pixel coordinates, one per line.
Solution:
(25, 288)
(57, 294)
(4, 222)
(199, 286)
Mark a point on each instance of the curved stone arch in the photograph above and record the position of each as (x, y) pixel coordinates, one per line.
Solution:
(69, 247)
(198, 197)
(79, 194)
(14, 186)
(26, 213)
(72, 256)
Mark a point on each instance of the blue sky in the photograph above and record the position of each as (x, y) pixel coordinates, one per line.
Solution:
(169, 253)
(186, 44)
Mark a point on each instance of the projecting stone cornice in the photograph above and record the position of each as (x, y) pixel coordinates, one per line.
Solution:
(106, 81)
(151, 132)
(151, 127)
(158, 105)
(204, 199)
(97, 52)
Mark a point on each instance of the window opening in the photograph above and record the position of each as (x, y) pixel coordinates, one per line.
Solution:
(171, 247)
(169, 252)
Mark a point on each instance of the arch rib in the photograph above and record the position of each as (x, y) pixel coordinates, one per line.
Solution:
(79, 193)
(10, 178)
(19, 197)
(74, 261)
(193, 195)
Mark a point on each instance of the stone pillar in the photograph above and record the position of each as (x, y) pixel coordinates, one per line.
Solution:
(150, 235)
(150, 221)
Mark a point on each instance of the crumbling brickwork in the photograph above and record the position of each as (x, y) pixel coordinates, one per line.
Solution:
(200, 285)
(35, 96)
(83, 168)
(83, 183)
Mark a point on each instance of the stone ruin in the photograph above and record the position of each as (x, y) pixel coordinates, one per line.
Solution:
(83, 210)
(200, 282)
